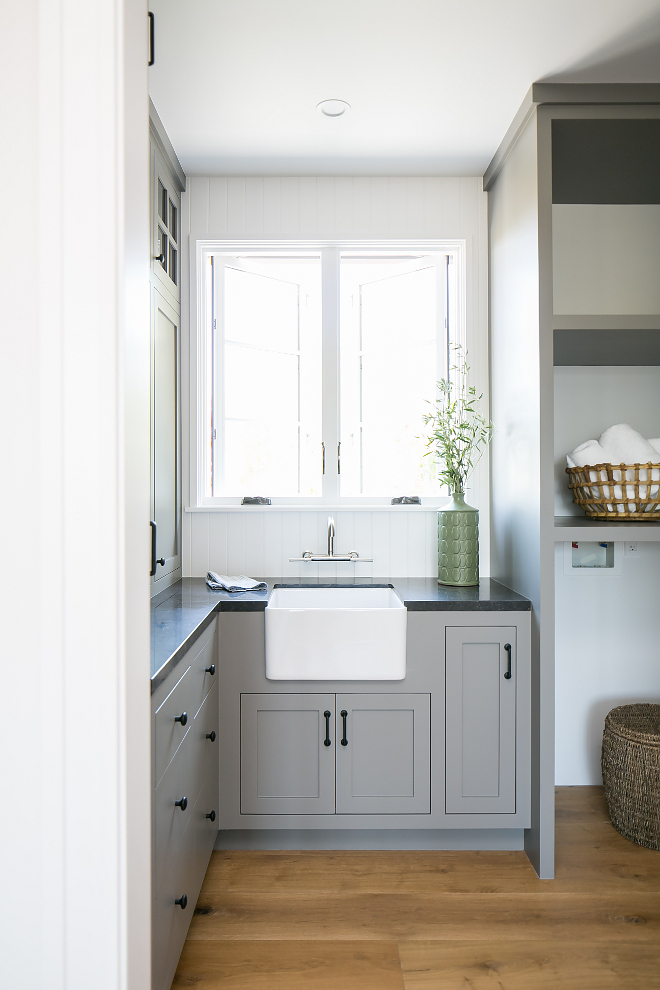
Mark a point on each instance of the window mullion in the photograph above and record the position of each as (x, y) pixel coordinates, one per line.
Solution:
(219, 377)
(330, 350)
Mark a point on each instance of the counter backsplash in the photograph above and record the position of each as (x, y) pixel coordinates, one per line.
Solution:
(402, 541)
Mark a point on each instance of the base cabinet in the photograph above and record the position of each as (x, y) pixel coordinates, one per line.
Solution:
(480, 722)
(185, 801)
(325, 754)
(449, 747)
(383, 756)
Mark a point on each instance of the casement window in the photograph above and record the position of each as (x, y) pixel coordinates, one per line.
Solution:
(318, 363)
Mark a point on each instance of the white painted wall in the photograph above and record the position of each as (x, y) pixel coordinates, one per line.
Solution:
(607, 624)
(607, 653)
(74, 448)
(401, 542)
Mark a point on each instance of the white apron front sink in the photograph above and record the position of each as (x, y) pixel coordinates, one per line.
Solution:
(335, 634)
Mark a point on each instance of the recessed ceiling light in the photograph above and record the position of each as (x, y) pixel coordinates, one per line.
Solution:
(333, 108)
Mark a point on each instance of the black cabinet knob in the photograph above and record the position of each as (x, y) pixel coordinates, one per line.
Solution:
(161, 561)
(183, 803)
(183, 718)
(211, 736)
(210, 670)
(182, 902)
(160, 258)
(211, 815)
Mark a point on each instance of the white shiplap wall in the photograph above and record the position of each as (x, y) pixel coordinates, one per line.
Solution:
(402, 542)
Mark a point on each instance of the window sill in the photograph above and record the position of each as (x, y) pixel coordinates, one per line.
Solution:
(317, 508)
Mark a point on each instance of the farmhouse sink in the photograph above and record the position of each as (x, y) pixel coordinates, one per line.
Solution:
(335, 634)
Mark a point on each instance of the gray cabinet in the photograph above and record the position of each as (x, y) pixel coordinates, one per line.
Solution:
(165, 225)
(322, 754)
(383, 754)
(165, 293)
(185, 808)
(165, 438)
(286, 768)
(480, 726)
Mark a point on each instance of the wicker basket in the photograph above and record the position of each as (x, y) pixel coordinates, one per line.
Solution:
(617, 491)
(631, 772)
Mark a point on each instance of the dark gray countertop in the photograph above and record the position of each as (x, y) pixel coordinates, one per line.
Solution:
(181, 613)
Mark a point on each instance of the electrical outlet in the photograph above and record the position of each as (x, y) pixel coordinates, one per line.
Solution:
(630, 549)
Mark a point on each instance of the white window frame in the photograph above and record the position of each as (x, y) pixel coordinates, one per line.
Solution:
(201, 250)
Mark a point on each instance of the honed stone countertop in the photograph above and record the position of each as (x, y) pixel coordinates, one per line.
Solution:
(181, 613)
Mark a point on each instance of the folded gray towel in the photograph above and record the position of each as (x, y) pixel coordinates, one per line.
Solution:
(221, 582)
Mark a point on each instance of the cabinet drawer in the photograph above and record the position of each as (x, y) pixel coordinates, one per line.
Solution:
(169, 733)
(179, 781)
(206, 830)
(169, 920)
(204, 729)
(203, 668)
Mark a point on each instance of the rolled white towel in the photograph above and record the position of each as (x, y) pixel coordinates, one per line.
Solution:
(623, 445)
(620, 444)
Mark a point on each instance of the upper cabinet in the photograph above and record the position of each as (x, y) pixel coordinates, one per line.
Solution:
(167, 183)
(165, 227)
(606, 214)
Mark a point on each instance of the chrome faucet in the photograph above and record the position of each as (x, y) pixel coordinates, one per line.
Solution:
(331, 555)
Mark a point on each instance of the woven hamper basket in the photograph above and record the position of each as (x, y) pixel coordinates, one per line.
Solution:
(631, 772)
(617, 491)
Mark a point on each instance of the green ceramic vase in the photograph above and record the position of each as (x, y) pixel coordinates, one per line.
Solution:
(458, 543)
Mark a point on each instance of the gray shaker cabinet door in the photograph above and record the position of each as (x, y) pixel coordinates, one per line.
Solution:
(480, 720)
(384, 766)
(286, 768)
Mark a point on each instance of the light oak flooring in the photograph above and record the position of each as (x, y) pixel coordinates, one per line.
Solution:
(433, 920)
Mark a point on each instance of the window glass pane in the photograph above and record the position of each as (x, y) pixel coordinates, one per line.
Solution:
(162, 201)
(163, 248)
(392, 345)
(173, 219)
(267, 404)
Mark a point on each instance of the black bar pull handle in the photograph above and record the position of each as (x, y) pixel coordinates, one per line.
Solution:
(323, 455)
(326, 716)
(152, 39)
(344, 716)
(339, 457)
(507, 673)
(154, 532)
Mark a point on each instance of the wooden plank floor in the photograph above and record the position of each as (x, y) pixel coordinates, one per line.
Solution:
(433, 920)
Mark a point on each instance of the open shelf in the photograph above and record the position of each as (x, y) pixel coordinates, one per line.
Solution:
(581, 528)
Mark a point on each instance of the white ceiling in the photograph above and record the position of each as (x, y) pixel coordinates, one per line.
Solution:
(433, 84)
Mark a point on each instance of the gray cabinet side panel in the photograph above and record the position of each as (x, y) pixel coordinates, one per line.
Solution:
(521, 452)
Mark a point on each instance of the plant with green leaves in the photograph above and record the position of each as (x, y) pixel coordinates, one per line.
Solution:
(459, 433)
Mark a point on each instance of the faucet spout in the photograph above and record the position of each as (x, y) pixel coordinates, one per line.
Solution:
(331, 555)
(331, 536)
